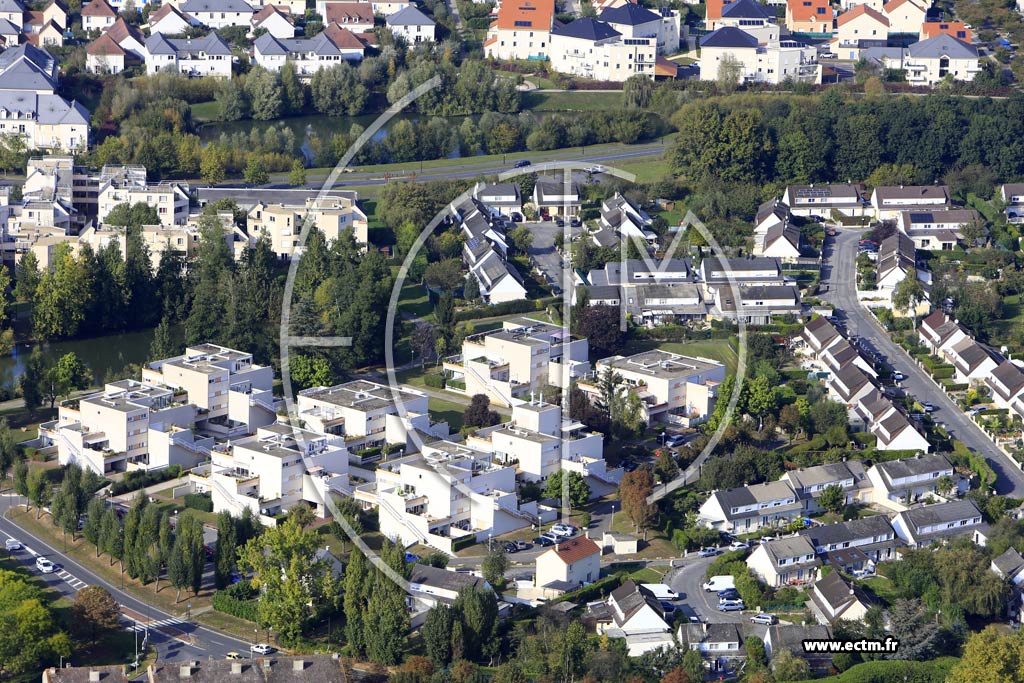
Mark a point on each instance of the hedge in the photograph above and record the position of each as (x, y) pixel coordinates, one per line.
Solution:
(885, 671)
(140, 479)
(238, 600)
(598, 589)
(944, 372)
(199, 501)
(463, 542)
(506, 308)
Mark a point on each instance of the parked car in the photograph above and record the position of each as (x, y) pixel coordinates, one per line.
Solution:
(516, 546)
(739, 545)
(12, 544)
(261, 649)
(709, 552)
(563, 530)
(667, 607)
(522, 163)
(596, 168)
(728, 594)
(719, 583)
(731, 606)
(928, 407)
(560, 222)
(675, 440)
(766, 619)
(45, 566)
(575, 222)
(898, 376)
(543, 541)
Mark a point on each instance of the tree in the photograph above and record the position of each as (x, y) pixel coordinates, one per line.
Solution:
(38, 490)
(494, 566)
(437, 634)
(666, 466)
(477, 612)
(637, 91)
(445, 275)
(634, 489)
(67, 375)
(213, 166)
(291, 578)
(693, 665)
(471, 290)
(832, 498)
(478, 413)
(163, 345)
(225, 553)
(788, 667)
(908, 294)
(111, 539)
(265, 95)
(297, 176)
(730, 73)
(26, 277)
(8, 449)
(444, 316)
(422, 341)
(601, 325)
(919, 636)
(255, 172)
(93, 527)
(21, 473)
(676, 675)
(337, 91)
(569, 487)
(521, 238)
(790, 420)
(32, 378)
(991, 656)
(309, 370)
(133, 215)
(95, 613)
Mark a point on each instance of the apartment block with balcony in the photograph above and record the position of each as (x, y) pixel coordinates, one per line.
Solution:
(282, 223)
(524, 356)
(277, 467)
(593, 49)
(128, 185)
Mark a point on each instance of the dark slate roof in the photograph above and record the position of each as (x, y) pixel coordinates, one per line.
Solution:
(631, 598)
(409, 16)
(908, 467)
(747, 9)
(630, 14)
(586, 29)
(1010, 563)
(941, 513)
(729, 36)
(852, 530)
(444, 579)
(943, 45)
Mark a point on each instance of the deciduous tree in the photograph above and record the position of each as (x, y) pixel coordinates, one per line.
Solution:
(95, 613)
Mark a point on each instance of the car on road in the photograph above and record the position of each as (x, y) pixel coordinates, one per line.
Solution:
(516, 546)
(709, 552)
(898, 376)
(12, 544)
(575, 222)
(928, 407)
(766, 619)
(261, 649)
(560, 222)
(828, 55)
(543, 541)
(739, 545)
(45, 566)
(675, 440)
(719, 583)
(232, 655)
(563, 530)
(596, 168)
(522, 163)
(731, 606)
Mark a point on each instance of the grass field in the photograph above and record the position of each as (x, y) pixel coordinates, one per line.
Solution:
(205, 111)
(447, 411)
(647, 170)
(575, 100)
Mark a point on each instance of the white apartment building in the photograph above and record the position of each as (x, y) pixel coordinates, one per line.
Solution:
(900, 483)
(30, 107)
(219, 13)
(413, 25)
(522, 30)
(524, 356)
(593, 49)
(633, 20)
(673, 388)
(282, 223)
(931, 61)
(128, 185)
(206, 56)
(274, 469)
(772, 62)
(333, 46)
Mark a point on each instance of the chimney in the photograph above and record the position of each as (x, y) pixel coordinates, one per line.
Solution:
(185, 671)
(236, 668)
(94, 676)
(298, 665)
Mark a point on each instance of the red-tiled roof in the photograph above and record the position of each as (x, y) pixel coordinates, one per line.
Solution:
(343, 38)
(859, 10)
(349, 12)
(122, 30)
(104, 45)
(526, 15)
(98, 8)
(807, 10)
(575, 550)
(956, 29)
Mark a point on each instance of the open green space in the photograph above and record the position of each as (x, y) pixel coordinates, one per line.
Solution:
(572, 100)
(447, 411)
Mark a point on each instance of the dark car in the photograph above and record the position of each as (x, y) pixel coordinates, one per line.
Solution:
(543, 541)
(559, 222)
(728, 594)
(516, 546)
(575, 222)
(522, 163)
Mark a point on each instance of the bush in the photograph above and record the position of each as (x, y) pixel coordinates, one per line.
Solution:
(238, 600)
(506, 308)
(140, 479)
(463, 542)
(944, 372)
(434, 380)
(598, 589)
(199, 501)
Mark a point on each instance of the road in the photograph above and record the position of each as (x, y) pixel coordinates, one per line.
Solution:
(543, 253)
(687, 581)
(174, 638)
(839, 272)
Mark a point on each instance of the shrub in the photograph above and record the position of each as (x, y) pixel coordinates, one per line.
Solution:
(238, 600)
(199, 501)
(434, 380)
(140, 479)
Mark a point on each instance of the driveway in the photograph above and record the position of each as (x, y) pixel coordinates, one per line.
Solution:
(839, 271)
(687, 581)
(543, 253)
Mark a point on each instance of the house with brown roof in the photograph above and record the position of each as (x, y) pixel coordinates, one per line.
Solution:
(810, 16)
(522, 30)
(47, 34)
(936, 230)
(355, 16)
(954, 29)
(1005, 384)
(905, 16)
(274, 22)
(890, 201)
(822, 200)
(128, 38)
(857, 29)
(98, 15)
(834, 598)
(105, 56)
(169, 20)
(940, 333)
(569, 564)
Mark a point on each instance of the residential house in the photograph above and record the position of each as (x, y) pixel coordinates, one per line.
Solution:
(792, 636)
(98, 15)
(593, 49)
(897, 257)
(719, 272)
(810, 16)
(49, 34)
(890, 201)
(899, 483)
(932, 61)
(810, 482)
(822, 200)
(905, 16)
(1012, 195)
(848, 385)
(386, 8)
(332, 46)
(46, 121)
(937, 230)
(1006, 384)
(713, 12)
(843, 353)
(170, 21)
(634, 613)
(128, 37)
(554, 197)
(498, 281)
(939, 333)
(819, 334)
(13, 11)
(217, 14)
(485, 248)
(1010, 566)
(857, 29)
(784, 561)
(10, 34)
(772, 62)
(896, 433)
(273, 21)
(719, 645)
(282, 223)
(921, 526)
(751, 17)
(873, 538)
(521, 357)
(413, 25)
(621, 218)
(672, 388)
(956, 29)
(355, 16)
(522, 30)
(780, 241)
(833, 599)
(633, 21)
(432, 586)
(749, 508)
(206, 56)
(128, 185)
(569, 564)
(52, 13)
(974, 362)
(104, 56)
(503, 199)
(655, 304)
(757, 304)
(28, 68)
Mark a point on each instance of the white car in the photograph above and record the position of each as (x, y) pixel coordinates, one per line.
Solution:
(738, 545)
(12, 544)
(898, 376)
(563, 530)
(261, 649)
(596, 168)
(45, 566)
(763, 618)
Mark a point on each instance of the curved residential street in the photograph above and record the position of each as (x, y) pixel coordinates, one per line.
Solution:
(839, 273)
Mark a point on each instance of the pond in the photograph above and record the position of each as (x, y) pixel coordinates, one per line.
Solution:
(107, 357)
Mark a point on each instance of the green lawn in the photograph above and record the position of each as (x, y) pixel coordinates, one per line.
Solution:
(647, 170)
(413, 300)
(447, 411)
(575, 100)
(205, 111)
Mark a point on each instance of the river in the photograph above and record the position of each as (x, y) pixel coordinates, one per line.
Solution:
(107, 357)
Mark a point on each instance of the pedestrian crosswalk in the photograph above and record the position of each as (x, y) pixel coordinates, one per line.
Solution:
(71, 580)
(160, 624)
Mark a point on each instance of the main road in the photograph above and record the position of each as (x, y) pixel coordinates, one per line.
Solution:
(839, 269)
(173, 637)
